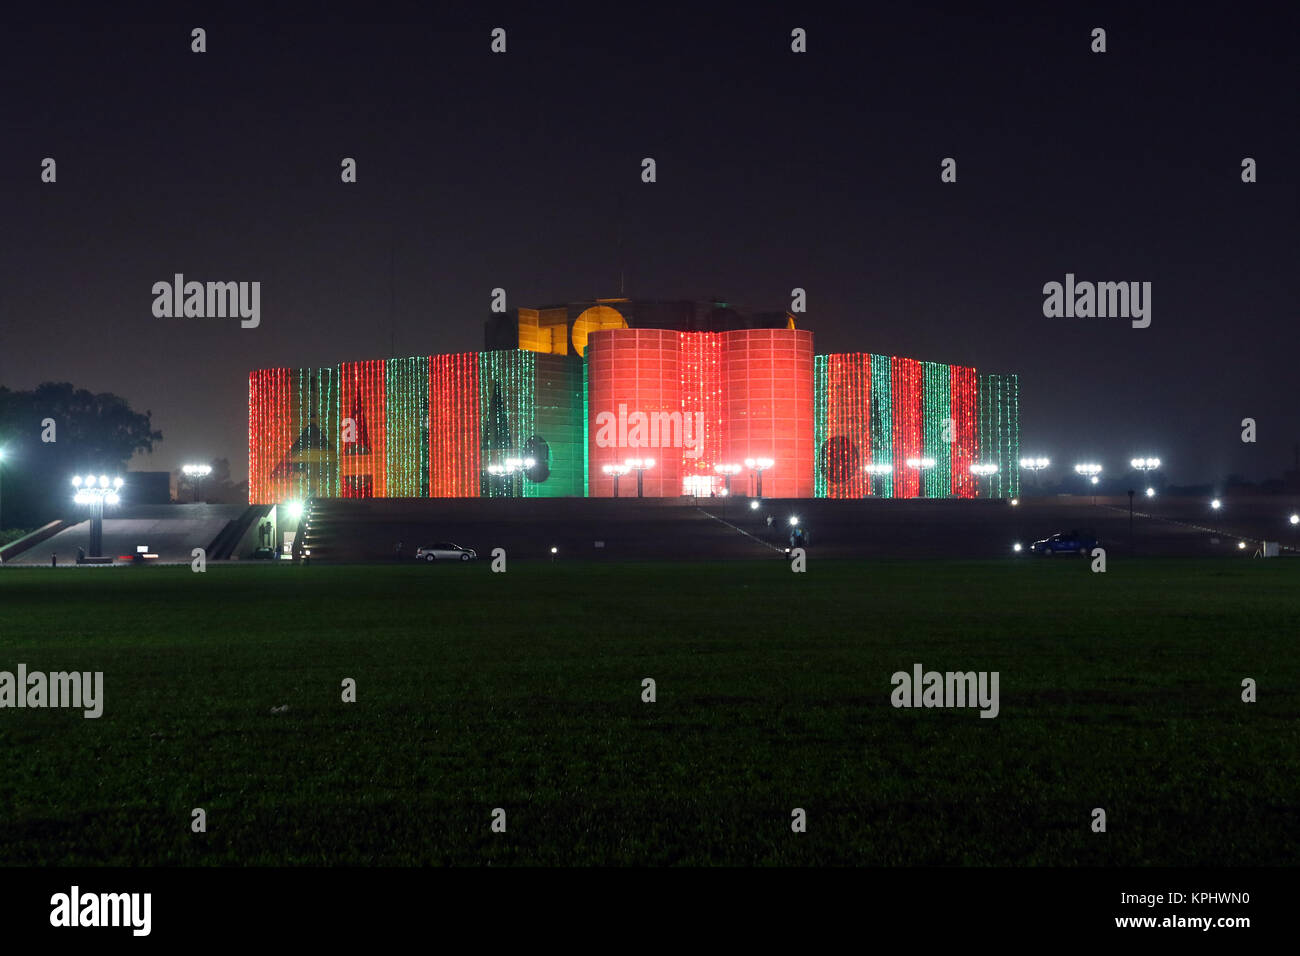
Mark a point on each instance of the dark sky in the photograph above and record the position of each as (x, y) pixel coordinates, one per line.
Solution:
(775, 170)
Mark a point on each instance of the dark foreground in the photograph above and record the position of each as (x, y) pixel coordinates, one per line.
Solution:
(522, 691)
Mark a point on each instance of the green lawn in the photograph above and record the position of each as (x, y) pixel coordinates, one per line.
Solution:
(523, 691)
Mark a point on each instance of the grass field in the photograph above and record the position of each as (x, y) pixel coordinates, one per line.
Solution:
(523, 691)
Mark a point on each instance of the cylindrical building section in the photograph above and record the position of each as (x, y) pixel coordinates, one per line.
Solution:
(769, 400)
(634, 410)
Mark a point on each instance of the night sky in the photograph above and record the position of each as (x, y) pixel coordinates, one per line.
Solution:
(775, 170)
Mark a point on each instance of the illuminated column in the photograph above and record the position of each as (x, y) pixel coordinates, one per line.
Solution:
(406, 390)
(964, 447)
(769, 394)
(507, 408)
(937, 419)
(454, 443)
(908, 425)
(844, 442)
(887, 485)
(634, 376)
(363, 461)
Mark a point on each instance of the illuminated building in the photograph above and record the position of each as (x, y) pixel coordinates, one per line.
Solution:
(691, 390)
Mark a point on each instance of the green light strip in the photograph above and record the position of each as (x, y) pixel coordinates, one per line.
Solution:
(882, 423)
(821, 427)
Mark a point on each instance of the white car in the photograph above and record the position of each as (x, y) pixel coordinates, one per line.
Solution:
(445, 551)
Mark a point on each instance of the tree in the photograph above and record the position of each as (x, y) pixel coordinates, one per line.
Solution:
(55, 431)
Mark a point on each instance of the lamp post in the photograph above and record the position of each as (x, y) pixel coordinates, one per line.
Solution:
(640, 466)
(96, 493)
(726, 471)
(510, 467)
(617, 471)
(1295, 532)
(1035, 465)
(1144, 466)
(759, 465)
(196, 474)
(919, 465)
(984, 470)
(876, 469)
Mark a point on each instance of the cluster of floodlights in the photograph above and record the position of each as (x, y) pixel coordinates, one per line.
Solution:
(92, 490)
(511, 465)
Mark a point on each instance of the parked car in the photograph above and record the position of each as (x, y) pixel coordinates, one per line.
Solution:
(1065, 542)
(445, 551)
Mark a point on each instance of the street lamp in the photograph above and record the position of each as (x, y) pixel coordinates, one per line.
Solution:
(759, 465)
(726, 471)
(509, 467)
(617, 471)
(877, 469)
(198, 472)
(640, 466)
(97, 492)
(1035, 465)
(983, 470)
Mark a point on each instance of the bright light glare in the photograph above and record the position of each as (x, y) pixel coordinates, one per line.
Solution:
(753, 506)
(76, 481)
(1087, 468)
(1151, 492)
(1034, 464)
(1015, 501)
(1016, 546)
(295, 509)
(794, 521)
(1295, 519)
(1216, 504)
